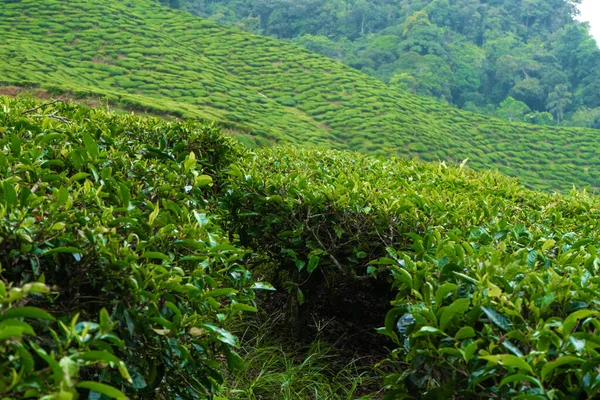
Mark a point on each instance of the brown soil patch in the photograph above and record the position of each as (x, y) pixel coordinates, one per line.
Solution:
(97, 60)
(10, 90)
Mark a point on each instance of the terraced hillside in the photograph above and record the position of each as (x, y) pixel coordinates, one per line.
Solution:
(139, 54)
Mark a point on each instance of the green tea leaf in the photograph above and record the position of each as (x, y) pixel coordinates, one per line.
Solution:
(104, 356)
(11, 332)
(383, 261)
(26, 312)
(79, 176)
(458, 307)
(26, 329)
(105, 324)
(300, 296)
(221, 292)
(234, 170)
(10, 195)
(15, 145)
(443, 291)
(403, 276)
(125, 196)
(520, 378)
(90, 145)
(57, 373)
(58, 226)
(548, 244)
(313, 263)
(243, 307)
(263, 286)
(497, 319)
(466, 278)
(222, 335)
(189, 162)
(464, 333)
(155, 255)
(70, 370)
(72, 250)
(203, 180)
(560, 362)
(103, 389)
(98, 356)
(234, 361)
(531, 258)
(390, 321)
(427, 330)
(572, 320)
(508, 360)
(512, 348)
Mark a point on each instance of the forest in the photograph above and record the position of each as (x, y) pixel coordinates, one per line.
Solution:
(527, 61)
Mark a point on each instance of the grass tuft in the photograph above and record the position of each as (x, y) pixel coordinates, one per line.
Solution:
(277, 367)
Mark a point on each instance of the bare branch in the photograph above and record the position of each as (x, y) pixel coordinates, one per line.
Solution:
(53, 115)
(42, 106)
(335, 261)
(37, 184)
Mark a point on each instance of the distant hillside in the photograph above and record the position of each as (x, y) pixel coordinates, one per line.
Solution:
(519, 60)
(138, 54)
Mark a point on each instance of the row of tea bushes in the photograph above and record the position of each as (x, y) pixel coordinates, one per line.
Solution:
(140, 55)
(116, 279)
(495, 287)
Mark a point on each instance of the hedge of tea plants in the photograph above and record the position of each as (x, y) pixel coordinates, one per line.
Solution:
(115, 278)
(142, 56)
(495, 288)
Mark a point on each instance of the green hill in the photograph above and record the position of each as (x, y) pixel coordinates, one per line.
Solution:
(479, 55)
(138, 54)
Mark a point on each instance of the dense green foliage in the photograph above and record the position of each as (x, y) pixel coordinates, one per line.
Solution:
(140, 55)
(127, 246)
(496, 287)
(130, 246)
(105, 225)
(472, 53)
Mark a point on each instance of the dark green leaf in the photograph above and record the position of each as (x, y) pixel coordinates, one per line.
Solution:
(26, 312)
(90, 145)
(101, 388)
(497, 319)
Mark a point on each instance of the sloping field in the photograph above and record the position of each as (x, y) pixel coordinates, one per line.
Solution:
(141, 55)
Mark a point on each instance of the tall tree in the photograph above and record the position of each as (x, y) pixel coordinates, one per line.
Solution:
(558, 101)
(512, 110)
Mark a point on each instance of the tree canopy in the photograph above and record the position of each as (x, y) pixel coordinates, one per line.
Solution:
(474, 54)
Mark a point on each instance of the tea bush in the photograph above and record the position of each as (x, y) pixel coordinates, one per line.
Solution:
(116, 278)
(495, 288)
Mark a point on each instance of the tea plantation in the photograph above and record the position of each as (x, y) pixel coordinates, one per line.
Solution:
(139, 55)
(131, 248)
(494, 288)
(114, 272)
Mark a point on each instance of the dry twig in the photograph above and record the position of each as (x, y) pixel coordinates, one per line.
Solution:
(53, 115)
(42, 106)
